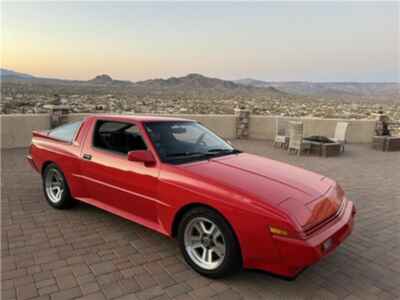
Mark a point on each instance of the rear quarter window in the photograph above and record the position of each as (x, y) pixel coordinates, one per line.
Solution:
(65, 132)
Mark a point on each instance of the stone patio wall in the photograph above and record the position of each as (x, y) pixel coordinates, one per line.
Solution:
(16, 130)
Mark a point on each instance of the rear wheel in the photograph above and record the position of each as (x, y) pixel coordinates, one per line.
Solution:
(208, 244)
(56, 188)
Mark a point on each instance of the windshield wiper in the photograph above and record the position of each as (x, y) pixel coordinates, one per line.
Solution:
(185, 154)
(209, 154)
(220, 151)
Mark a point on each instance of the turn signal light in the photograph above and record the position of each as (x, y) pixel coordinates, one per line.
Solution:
(278, 231)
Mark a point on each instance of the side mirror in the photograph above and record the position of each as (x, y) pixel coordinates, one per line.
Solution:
(144, 156)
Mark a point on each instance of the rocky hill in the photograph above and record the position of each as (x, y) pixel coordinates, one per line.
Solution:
(190, 81)
(372, 91)
(191, 85)
(201, 86)
(101, 79)
(106, 79)
(10, 74)
(199, 94)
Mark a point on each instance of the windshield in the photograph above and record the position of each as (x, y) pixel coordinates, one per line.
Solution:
(184, 141)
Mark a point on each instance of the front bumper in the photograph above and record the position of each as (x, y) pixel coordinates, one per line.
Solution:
(298, 254)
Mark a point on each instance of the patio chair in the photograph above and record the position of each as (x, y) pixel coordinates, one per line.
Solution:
(296, 142)
(340, 134)
(281, 136)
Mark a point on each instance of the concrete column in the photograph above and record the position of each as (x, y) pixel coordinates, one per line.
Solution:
(242, 123)
(58, 115)
(382, 125)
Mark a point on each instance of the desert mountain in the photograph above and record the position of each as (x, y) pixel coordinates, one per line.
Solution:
(106, 79)
(342, 90)
(5, 73)
(103, 78)
(200, 86)
(190, 81)
(192, 85)
(251, 82)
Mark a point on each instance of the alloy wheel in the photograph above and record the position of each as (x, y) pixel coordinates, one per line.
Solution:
(54, 184)
(204, 243)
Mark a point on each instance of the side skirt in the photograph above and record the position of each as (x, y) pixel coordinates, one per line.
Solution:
(125, 215)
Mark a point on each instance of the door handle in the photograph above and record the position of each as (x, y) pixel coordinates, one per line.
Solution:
(87, 156)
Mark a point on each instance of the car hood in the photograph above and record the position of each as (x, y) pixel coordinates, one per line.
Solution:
(266, 180)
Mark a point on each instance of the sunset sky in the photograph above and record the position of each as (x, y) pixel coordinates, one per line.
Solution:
(269, 41)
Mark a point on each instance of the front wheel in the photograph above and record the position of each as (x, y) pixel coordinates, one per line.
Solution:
(56, 188)
(208, 243)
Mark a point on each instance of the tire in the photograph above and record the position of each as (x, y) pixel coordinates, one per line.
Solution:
(208, 243)
(53, 178)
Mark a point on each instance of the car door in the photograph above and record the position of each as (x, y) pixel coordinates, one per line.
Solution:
(124, 187)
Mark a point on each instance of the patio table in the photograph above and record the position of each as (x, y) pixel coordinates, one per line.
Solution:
(386, 143)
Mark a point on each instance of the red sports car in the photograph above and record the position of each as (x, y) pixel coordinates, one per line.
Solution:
(228, 209)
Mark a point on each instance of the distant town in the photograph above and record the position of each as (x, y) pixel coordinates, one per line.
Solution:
(198, 94)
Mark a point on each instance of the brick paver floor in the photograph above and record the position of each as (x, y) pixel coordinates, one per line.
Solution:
(85, 252)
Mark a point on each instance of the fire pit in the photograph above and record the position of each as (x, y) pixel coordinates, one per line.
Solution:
(323, 146)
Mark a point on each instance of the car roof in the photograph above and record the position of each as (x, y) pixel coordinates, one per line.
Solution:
(137, 118)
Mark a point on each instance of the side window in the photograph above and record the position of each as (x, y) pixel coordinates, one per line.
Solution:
(117, 137)
(66, 132)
